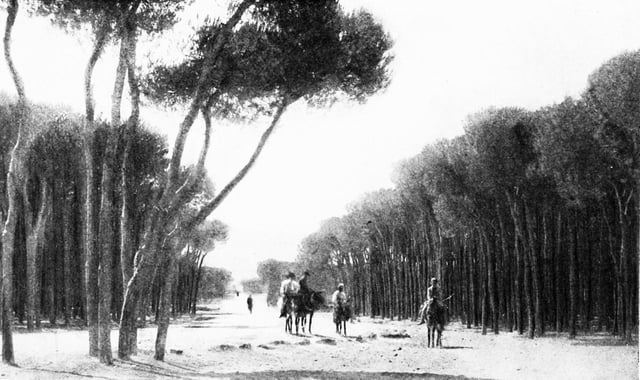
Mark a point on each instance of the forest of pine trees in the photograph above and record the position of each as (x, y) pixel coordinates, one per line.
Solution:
(530, 219)
(104, 222)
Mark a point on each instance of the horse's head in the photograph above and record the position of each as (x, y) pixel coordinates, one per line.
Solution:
(317, 298)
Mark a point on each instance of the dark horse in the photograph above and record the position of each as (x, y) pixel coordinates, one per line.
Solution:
(302, 309)
(341, 314)
(435, 323)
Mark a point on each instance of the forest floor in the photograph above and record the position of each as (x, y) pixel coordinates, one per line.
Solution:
(209, 346)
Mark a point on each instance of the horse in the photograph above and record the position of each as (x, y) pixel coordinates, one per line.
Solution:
(289, 305)
(435, 323)
(316, 299)
(341, 314)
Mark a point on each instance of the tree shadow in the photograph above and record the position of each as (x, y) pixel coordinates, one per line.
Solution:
(602, 341)
(54, 372)
(158, 371)
(328, 375)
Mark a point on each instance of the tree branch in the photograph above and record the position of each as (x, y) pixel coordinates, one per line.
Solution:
(12, 13)
(98, 48)
(207, 68)
(207, 209)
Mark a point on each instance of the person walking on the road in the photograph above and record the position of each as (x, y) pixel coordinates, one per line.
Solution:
(250, 304)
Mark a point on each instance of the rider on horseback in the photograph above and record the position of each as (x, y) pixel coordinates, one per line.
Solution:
(339, 300)
(288, 290)
(305, 291)
(339, 296)
(434, 300)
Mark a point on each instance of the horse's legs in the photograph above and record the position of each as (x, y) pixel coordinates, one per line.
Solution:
(310, 319)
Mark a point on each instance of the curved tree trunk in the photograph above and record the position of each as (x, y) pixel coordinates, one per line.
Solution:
(13, 178)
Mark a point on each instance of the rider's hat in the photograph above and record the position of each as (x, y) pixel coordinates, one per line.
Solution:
(291, 275)
(340, 285)
(306, 273)
(433, 279)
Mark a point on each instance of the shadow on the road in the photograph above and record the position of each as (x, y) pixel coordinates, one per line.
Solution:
(329, 375)
(594, 340)
(456, 348)
(54, 372)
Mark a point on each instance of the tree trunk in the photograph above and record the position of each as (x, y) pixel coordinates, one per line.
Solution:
(536, 274)
(68, 246)
(13, 176)
(91, 232)
(107, 237)
(557, 272)
(573, 276)
(34, 238)
(165, 306)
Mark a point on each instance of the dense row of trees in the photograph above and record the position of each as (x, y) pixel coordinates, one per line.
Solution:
(271, 273)
(530, 219)
(48, 265)
(99, 217)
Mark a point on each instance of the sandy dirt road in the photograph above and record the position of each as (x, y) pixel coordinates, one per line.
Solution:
(226, 341)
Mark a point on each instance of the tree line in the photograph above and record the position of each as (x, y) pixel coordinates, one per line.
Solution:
(49, 262)
(530, 219)
(101, 219)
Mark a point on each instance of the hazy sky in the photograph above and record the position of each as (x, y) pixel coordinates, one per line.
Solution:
(452, 58)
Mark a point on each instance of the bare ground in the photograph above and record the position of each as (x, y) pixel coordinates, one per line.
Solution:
(226, 342)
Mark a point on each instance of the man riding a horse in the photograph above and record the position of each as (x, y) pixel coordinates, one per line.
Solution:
(341, 310)
(433, 303)
(305, 292)
(288, 291)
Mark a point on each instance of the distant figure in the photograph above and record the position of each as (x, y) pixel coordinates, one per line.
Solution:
(237, 293)
(250, 304)
(288, 290)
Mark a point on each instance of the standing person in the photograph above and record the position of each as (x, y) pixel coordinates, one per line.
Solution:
(288, 289)
(250, 304)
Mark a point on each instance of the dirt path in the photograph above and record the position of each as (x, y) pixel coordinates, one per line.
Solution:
(227, 342)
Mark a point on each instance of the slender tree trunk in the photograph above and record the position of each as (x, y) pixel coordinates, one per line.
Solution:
(536, 274)
(165, 306)
(557, 271)
(13, 178)
(197, 283)
(573, 276)
(68, 247)
(35, 235)
(91, 232)
(107, 239)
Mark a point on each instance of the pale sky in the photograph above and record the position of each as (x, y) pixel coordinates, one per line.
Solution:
(452, 58)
